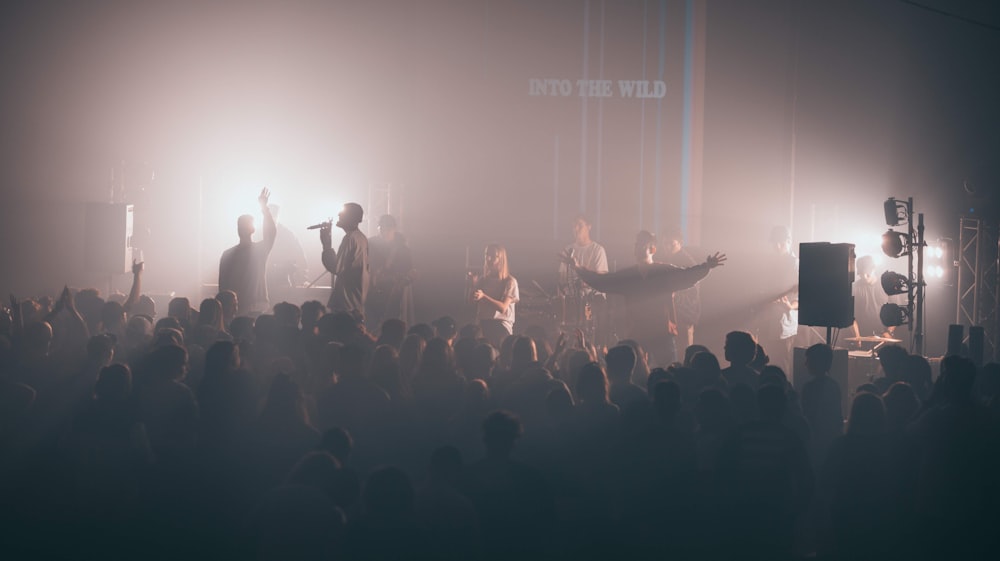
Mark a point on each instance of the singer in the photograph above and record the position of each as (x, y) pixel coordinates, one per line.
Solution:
(349, 264)
(495, 294)
(242, 268)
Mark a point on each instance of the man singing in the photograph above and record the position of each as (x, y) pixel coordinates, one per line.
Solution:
(349, 264)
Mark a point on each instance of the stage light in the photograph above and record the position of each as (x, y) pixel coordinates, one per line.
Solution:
(891, 209)
(894, 244)
(893, 315)
(895, 283)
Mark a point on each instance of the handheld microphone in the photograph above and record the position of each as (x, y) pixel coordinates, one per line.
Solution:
(320, 225)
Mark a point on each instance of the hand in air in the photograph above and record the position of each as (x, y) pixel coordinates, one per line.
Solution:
(715, 260)
(265, 194)
(137, 266)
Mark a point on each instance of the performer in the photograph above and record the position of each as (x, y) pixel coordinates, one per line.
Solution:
(779, 320)
(687, 302)
(868, 301)
(589, 254)
(648, 289)
(349, 264)
(495, 294)
(392, 275)
(242, 268)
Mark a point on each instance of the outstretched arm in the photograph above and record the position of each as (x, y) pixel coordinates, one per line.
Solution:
(270, 228)
(133, 294)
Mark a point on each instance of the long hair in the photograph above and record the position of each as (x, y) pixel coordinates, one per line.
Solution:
(502, 271)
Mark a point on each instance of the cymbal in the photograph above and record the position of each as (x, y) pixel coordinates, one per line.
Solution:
(873, 339)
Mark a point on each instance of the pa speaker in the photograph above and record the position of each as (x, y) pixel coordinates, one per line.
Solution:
(108, 238)
(826, 273)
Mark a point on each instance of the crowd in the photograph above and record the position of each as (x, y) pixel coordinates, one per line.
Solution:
(301, 434)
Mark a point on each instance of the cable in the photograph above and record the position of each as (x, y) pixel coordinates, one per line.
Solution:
(953, 15)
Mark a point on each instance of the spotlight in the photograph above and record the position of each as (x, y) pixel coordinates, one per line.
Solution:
(891, 212)
(893, 315)
(895, 283)
(894, 243)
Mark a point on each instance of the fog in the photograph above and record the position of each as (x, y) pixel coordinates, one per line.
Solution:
(806, 114)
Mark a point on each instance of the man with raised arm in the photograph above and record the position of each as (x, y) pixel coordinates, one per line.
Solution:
(242, 268)
(648, 289)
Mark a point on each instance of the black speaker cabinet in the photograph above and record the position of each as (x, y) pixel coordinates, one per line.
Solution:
(108, 238)
(826, 274)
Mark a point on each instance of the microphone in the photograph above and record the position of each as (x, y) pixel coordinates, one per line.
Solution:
(320, 225)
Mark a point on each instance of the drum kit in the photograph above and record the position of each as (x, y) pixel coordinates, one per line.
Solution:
(562, 312)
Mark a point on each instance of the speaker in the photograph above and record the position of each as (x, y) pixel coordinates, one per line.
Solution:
(977, 339)
(955, 335)
(838, 371)
(108, 238)
(826, 273)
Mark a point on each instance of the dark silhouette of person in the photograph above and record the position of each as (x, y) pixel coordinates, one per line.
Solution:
(821, 403)
(392, 274)
(740, 349)
(243, 267)
(388, 528)
(349, 264)
(281, 434)
(766, 482)
(648, 288)
(448, 518)
(287, 266)
(514, 501)
(623, 393)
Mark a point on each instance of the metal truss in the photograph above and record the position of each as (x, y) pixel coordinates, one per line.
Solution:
(978, 262)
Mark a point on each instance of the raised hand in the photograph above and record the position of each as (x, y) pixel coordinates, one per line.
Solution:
(265, 194)
(137, 267)
(715, 260)
(325, 236)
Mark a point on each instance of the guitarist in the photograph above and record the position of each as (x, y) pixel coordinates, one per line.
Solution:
(391, 291)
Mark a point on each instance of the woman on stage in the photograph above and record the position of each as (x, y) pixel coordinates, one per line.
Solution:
(495, 294)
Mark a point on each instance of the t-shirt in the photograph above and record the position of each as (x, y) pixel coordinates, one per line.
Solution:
(350, 268)
(498, 290)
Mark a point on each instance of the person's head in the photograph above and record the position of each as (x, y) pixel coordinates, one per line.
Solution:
(230, 304)
(581, 230)
(338, 442)
(387, 494)
(284, 400)
(958, 376)
(244, 227)
(523, 353)
(656, 375)
(621, 362)
(740, 348)
(645, 247)
(424, 330)
(706, 364)
(113, 316)
(781, 240)
(287, 315)
(867, 415)
(101, 349)
(892, 358)
(210, 313)
(350, 216)
(667, 399)
(495, 262)
(180, 308)
(387, 227)
(901, 405)
(865, 266)
(674, 239)
(114, 383)
(170, 362)
(222, 356)
(819, 359)
(392, 332)
(692, 350)
(500, 430)
(444, 327)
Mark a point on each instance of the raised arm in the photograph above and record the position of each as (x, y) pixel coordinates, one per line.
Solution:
(270, 227)
(133, 294)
